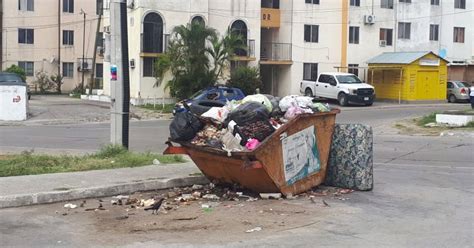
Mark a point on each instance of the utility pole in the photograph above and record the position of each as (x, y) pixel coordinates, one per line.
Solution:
(94, 55)
(83, 49)
(59, 38)
(120, 78)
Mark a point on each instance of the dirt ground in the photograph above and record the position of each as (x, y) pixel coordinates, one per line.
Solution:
(181, 221)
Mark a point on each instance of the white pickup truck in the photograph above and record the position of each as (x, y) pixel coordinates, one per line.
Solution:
(344, 87)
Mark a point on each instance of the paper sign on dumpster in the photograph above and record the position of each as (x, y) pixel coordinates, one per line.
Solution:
(300, 155)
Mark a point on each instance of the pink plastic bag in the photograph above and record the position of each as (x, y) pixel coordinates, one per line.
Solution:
(252, 144)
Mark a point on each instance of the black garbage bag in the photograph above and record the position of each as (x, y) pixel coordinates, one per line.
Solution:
(184, 126)
(248, 113)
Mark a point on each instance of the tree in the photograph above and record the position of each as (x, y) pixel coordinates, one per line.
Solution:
(17, 70)
(43, 81)
(189, 60)
(222, 51)
(161, 66)
(57, 81)
(246, 78)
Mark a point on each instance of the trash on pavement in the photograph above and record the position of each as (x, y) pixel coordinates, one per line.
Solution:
(156, 161)
(70, 206)
(270, 195)
(256, 229)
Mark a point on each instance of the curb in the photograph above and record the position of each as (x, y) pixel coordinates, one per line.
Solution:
(103, 191)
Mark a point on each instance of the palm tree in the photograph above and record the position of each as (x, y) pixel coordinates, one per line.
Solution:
(222, 51)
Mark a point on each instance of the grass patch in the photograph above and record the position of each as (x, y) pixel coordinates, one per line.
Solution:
(75, 95)
(168, 108)
(426, 119)
(108, 157)
(470, 124)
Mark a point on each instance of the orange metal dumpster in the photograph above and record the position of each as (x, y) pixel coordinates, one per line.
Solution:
(292, 160)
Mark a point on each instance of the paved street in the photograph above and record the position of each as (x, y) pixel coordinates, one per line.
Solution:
(423, 196)
(150, 135)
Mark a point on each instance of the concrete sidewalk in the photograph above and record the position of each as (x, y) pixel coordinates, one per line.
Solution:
(48, 188)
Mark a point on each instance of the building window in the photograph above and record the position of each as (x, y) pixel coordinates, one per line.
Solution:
(386, 4)
(68, 6)
(311, 33)
(153, 33)
(458, 35)
(148, 67)
(99, 70)
(310, 71)
(312, 1)
(405, 1)
(434, 2)
(354, 35)
(68, 70)
(26, 5)
(198, 20)
(28, 67)
(240, 28)
(404, 30)
(355, 3)
(434, 32)
(386, 36)
(459, 4)
(68, 37)
(99, 7)
(100, 39)
(26, 36)
(353, 68)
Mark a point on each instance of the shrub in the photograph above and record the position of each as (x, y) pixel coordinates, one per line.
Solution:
(246, 78)
(43, 82)
(17, 70)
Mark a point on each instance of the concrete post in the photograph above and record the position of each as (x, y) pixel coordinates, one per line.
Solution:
(119, 88)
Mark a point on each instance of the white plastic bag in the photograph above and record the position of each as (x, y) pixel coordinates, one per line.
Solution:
(260, 99)
(216, 113)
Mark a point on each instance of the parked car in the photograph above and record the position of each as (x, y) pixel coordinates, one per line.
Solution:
(7, 77)
(204, 99)
(344, 87)
(457, 91)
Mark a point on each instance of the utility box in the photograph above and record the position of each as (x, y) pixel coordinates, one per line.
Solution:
(13, 101)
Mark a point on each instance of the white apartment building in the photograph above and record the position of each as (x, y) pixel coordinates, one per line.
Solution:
(292, 40)
(47, 35)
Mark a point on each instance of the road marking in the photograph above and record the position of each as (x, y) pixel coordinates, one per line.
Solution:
(428, 166)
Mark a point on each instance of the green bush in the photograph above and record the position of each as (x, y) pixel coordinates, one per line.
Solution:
(246, 78)
(17, 70)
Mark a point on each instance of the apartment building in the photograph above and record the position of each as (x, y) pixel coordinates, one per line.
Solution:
(442, 26)
(292, 40)
(52, 36)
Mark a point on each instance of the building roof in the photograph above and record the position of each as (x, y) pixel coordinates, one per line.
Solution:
(398, 57)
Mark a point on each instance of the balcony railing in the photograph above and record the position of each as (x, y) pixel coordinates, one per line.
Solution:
(271, 51)
(150, 49)
(246, 54)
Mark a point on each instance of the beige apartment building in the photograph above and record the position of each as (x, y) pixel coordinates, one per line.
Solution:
(295, 40)
(48, 36)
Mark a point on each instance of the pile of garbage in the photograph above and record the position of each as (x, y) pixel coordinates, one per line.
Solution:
(241, 125)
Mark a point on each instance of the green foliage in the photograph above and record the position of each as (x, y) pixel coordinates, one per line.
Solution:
(43, 82)
(17, 70)
(108, 157)
(168, 108)
(426, 119)
(193, 64)
(161, 66)
(57, 81)
(222, 50)
(189, 60)
(246, 78)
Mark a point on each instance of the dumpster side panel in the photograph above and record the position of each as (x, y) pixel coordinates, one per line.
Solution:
(271, 155)
(230, 170)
